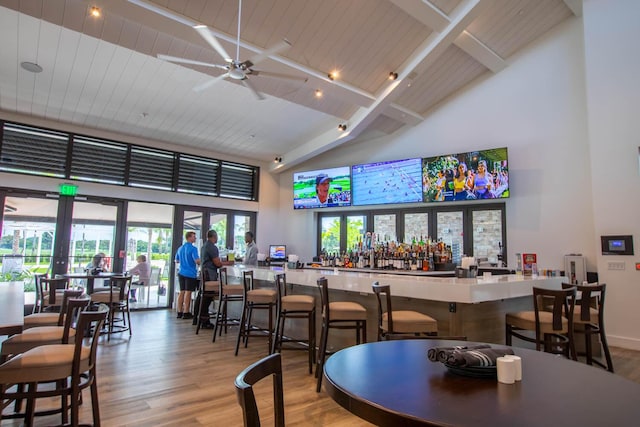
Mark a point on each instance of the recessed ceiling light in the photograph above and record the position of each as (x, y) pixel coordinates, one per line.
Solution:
(95, 12)
(31, 66)
(318, 93)
(333, 75)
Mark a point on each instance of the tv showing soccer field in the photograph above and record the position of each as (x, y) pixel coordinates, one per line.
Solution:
(322, 188)
(381, 183)
(476, 175)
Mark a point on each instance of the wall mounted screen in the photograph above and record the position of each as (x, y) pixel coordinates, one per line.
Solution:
(467, 176)
(322, 188)
(398, 181)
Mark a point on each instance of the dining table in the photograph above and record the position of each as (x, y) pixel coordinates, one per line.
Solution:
(11, 307)
(88, 278)
(393, 383)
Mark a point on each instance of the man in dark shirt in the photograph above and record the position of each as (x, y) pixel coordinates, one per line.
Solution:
(210, 264)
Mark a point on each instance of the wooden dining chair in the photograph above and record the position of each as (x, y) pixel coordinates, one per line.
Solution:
(337, 315)
(51, 291)
(588, 320)
(268, 366)
(117, 299)
(71, 367)
(46, 318)
(400, 323)
(551, 321)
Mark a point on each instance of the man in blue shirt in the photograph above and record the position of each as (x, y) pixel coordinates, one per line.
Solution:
(188, 261)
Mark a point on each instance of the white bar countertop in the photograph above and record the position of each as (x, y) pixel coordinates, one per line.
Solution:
(447, 289)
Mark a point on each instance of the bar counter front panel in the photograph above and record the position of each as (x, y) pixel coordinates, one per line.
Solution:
(474, 308)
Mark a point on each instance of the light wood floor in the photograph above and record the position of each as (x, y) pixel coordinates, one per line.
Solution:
(165, 375)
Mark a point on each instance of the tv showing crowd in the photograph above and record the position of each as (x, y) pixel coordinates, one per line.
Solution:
(467, 176)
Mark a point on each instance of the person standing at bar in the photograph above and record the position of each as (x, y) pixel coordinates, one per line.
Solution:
(251, 255)
(210, 263)
(188, 261)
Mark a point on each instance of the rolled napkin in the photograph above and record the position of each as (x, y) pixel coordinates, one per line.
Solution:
(441, 354)
(482, 357)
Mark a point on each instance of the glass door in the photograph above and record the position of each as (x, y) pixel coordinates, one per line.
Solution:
(93, 232)
(241, 224)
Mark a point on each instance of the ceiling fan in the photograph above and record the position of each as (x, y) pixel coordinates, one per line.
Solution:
(234, 68)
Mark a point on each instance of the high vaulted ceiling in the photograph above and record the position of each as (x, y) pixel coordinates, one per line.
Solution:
(104, 73)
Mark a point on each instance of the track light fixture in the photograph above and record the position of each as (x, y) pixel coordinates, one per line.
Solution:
(333, 75)
(342, 127)
(393, 76)
(278, 159)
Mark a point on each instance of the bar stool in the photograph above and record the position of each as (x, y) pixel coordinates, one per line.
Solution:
(589, 315)
(338, 315)
(400, 323)
(228, 293)
(255, 299)
(209, 291)
(117, 299)
(553, 329)
(294, 307)
(46, 318)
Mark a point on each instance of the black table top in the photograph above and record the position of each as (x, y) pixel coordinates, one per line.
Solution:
(392, 383)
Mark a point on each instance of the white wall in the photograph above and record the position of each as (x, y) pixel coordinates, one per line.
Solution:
(612, 61)
(536, 108)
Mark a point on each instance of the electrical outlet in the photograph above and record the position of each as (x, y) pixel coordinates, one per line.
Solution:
(615, 265)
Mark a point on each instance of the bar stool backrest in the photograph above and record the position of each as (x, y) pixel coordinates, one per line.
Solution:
(379, 289)
(561, 304)
(323, 286)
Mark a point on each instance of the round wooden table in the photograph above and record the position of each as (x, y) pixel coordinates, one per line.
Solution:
(392, 383)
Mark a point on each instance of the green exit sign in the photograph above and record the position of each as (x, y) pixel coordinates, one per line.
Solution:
(68, 190)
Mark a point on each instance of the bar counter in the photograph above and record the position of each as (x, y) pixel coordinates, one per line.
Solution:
(474, 308)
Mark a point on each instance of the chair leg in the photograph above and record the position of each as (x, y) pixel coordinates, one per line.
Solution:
(605, 348)
(199, 321)
(587, 344)
(507, 335)
(241, 329)
(270, 331)
(95, 406)
(31, 405)
(222, 306)
(129, 319)
(321, 356)
(247, 329)
(276, 345)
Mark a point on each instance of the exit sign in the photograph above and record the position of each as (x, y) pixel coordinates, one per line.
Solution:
(68, 190)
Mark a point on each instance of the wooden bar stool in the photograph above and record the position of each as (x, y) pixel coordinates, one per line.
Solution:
(228, 293)
(400, 323)
(117, 299)
(255, 299)
(294, 307)
(588, 318)
(552, 321)
(338, 315)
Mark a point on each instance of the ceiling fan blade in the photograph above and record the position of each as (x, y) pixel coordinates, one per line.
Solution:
(189, 61)
(249, 86)
(278, 47)
(278, 75)
(210, 82)
(206, 34)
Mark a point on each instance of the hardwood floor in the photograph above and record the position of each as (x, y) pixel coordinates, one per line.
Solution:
(165, 375)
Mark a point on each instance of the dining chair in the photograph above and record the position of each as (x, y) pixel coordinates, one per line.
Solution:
(117, 299)
(337, 315)
(255, 299)
(551, 321)
(46, 318)
(51, 291)
(400, 323)
(37, 306)
(588, 320)
(228, 293)
(294, 307)
(268, 366)
(71, 367)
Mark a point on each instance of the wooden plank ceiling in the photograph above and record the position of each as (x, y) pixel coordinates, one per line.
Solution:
(103, 74)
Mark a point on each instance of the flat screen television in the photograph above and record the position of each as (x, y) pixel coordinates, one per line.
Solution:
(278, 253)
(396, 181)
(477, 175)
(322, 188)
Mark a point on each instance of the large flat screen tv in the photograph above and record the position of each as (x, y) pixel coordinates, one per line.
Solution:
(322, 188)
(397, 181)
(476, 175)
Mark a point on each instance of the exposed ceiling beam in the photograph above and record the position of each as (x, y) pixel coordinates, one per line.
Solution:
(575, 6)
(480, 52)
(424, 12)
(420, 59)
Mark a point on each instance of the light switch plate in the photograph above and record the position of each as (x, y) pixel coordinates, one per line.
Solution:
(611, 265)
